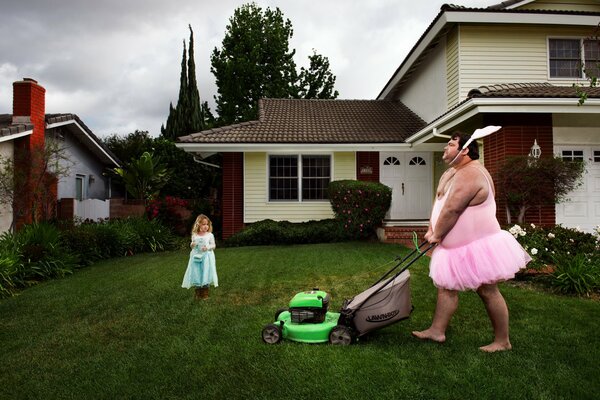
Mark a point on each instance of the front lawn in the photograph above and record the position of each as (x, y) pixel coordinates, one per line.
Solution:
(124, 328)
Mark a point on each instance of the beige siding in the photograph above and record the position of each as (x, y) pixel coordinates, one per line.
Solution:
(579, 5)
(256, 200)
(499, 54)
(452, 65)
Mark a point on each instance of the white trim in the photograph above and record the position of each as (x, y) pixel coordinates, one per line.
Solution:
(72, 121)
(15, 136)
(290, 147)
(503, 105)
(519, 4)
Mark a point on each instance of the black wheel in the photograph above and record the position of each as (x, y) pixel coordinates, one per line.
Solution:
(278, 312)
(341, 335)
(271, 334)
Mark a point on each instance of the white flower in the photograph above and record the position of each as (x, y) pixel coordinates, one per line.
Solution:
(522, 233)
(551, 235)
(545, 249)
(578, 228)
(515, 230)
(534, 251)
(533, 226)
(571, 240)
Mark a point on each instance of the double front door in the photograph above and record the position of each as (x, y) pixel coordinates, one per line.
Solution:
(409, 174)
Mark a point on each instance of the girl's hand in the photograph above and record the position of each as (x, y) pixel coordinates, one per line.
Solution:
(192, 245)
(204, 248)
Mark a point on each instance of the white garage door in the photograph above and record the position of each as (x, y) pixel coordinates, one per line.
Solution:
(583, 207)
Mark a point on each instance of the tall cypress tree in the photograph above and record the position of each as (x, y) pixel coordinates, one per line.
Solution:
(189, 115)
(194, 118)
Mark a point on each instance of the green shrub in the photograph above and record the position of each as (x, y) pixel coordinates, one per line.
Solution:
(547, 244)
(359, 206)
(579, 275)
(269, 232)
(33, 254)
(10, 269)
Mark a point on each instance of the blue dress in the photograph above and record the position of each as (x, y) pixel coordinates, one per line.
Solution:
(202, 267)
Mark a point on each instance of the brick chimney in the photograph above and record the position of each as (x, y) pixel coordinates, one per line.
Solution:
(29, 107)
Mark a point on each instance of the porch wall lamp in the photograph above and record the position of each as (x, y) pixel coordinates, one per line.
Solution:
(535, 151)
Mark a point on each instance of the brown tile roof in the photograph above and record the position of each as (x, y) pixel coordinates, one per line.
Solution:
(319, 121)
(531, 90)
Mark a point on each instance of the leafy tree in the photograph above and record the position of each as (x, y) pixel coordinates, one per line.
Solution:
(144, 177)
(317, 82)
(525, 182)
(255, 61)
(189, 115)
(45, 168)
(190, 180)
(131, 146)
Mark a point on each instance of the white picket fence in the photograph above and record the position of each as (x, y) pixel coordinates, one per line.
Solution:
(92, 209)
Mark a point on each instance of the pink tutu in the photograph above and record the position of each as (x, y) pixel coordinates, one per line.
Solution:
(493, 258)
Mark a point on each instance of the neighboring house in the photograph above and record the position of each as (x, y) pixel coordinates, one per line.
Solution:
(511, 64)
(83, 190)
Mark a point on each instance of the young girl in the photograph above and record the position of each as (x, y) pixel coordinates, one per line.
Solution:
(202, 268)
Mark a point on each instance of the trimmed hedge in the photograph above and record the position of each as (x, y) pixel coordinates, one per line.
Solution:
(269, 232)
(359, 206)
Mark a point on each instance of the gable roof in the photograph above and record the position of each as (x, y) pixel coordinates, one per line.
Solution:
(501, 13)
(298, 121)
(85, 136)
(10, 130)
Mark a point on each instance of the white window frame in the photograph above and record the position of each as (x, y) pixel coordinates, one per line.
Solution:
(80, 178)
(582, 74)
(299, 157)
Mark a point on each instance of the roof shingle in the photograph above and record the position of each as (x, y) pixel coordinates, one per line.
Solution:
(319, 121)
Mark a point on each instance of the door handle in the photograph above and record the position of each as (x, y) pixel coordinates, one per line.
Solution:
(402, 188)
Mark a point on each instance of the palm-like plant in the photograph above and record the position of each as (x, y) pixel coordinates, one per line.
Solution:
(145, 177)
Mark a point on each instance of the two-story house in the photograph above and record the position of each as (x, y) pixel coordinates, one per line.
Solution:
(511, 64)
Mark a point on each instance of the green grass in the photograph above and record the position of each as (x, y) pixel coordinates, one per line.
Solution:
(125, 329)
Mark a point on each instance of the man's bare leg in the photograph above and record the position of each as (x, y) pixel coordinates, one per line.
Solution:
(447, 303)
(498, 313)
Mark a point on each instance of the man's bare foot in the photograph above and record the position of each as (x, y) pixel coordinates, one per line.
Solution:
(429, 335)
(496, 346)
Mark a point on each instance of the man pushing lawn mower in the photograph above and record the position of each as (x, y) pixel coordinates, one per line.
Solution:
(473, 253)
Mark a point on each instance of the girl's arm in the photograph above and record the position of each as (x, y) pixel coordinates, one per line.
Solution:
(211, 242)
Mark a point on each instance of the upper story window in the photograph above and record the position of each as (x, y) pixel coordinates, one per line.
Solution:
(300, 178)
(571, 58)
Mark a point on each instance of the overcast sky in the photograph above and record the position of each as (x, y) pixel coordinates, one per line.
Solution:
(116, 63)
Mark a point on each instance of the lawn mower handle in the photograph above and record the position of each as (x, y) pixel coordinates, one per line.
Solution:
(417, 249)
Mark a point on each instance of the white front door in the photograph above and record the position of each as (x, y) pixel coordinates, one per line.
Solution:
(409, 175)
(582, 209)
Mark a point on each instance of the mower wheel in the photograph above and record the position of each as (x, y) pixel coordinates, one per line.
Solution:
(341, 335)
(271, 334)
(278, 312)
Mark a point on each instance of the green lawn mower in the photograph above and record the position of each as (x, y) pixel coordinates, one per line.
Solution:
(308, 320)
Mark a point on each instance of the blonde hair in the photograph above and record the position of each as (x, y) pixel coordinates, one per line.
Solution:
(199, 219)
